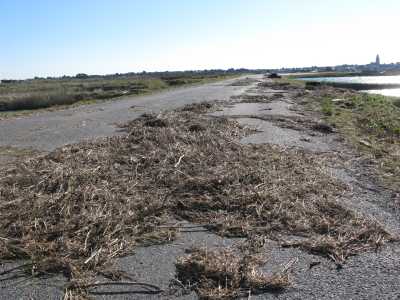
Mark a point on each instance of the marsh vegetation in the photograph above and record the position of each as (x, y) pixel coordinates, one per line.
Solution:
(43, 93)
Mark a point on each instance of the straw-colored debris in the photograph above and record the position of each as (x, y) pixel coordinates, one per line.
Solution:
(224, 274)
(82, 205)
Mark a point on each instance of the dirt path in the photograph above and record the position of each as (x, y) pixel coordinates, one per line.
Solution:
(280, 119)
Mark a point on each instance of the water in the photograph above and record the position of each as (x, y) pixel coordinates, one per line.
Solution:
(366, 80)
(386, 92)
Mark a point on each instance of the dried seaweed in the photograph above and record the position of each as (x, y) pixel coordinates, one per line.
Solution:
(77, 208)
(224, 274)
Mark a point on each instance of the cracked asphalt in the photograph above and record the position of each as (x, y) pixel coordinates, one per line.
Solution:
(371, 275)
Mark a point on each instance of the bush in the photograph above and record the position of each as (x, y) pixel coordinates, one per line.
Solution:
(37, 100)
(82, 76)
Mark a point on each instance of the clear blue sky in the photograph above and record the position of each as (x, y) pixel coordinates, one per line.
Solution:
(56, 37)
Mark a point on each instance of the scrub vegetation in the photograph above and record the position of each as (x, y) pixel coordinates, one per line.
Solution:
(44, 93)
(372, 124)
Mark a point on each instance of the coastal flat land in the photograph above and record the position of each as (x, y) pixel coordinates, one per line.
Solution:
(48, 130)
(264, 175)
(18, 97)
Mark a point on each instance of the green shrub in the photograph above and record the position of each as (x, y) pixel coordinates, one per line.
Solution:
(327, 107)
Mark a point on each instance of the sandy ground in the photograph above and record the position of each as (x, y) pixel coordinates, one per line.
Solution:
(373, 275)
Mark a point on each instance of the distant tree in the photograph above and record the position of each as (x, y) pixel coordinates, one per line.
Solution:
(8, 81)
(82, 76)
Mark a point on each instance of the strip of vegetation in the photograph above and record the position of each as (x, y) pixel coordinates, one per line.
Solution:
(370, 122)
(353, 86)
(44, 93)
(323, 74)
(372, 125)
(341, 74)
(38, 94)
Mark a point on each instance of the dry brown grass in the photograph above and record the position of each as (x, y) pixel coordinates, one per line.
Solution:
(224, 274)
(77, 208)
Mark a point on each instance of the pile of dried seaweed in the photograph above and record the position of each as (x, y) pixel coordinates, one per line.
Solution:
(76, 208)
(224, 274)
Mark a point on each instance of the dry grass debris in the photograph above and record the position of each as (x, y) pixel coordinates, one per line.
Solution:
(226, 274)
(77, 208)
(247, 98)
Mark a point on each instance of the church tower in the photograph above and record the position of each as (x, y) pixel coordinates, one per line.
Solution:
(378, 60)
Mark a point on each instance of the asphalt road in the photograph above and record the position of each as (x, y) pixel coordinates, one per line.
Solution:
(370, 275)
(49, 130)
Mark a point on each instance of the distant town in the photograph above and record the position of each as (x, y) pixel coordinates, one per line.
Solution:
(375, 67)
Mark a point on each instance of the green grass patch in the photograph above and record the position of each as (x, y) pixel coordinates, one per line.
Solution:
(327, 107)
(372, 124)
(372, 115)
(288, 81)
